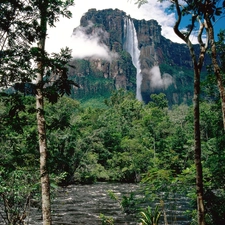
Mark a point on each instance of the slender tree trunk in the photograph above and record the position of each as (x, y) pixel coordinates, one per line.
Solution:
(216, 67)
(197, 137)
(45, 183)
(197, 133)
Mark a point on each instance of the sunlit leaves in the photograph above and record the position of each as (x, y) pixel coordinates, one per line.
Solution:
(150, 217)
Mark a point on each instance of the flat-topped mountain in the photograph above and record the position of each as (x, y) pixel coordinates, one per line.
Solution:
(137, 58)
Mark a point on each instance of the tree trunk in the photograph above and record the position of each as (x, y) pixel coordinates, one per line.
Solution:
(197, 133)
(216, 67)
(197, 138)
(197, 71)
(45, 183)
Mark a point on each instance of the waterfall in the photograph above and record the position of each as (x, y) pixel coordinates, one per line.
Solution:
(131, 46)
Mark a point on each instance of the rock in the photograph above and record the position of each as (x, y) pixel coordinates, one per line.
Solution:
(99, 75)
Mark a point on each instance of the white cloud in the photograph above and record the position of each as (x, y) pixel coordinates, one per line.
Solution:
(91, 45)
(194, 35)
(155, 76)
(60, 36)
(158, 81)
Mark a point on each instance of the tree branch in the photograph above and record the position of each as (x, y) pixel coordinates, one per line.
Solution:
(176, 26)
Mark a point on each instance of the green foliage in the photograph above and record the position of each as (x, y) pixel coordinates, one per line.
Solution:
(159, 100)
(94, 102)
(215, 215)
(209, 85)
(220, 47)
(123, 141)
(19, 167)
(119, 142)
(148, 217)
(19, 178)
(89, 170)
(19, 31)
(128, 204)
(106, 220)
(17, 189)
(93, 82)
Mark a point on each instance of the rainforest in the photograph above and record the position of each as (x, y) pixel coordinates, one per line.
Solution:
(119, 139)
(141, 111)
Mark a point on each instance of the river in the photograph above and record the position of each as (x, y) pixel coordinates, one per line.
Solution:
(82, 204)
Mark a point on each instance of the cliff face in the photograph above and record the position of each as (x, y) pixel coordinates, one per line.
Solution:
(165, 66)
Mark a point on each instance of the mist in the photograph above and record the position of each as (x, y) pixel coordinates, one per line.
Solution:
(88, 43)
(157, 81)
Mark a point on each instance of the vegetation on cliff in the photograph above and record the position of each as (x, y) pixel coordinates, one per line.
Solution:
(173, 59)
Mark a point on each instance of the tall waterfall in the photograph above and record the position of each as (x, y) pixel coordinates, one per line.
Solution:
(131, 46)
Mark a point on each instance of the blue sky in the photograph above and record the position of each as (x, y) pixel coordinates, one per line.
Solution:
(218, 25)
(61, 35)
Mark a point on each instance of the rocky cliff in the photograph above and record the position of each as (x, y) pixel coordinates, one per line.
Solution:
(165, 66)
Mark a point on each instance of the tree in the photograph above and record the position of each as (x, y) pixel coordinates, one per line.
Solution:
(198, 11)
(204, 12)
(19, 158)
(25, 23)
(197, 70)
(159, 100)
(210, 11)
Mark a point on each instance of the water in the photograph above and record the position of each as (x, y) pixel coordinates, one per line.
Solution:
(131, 46)
(82, 204)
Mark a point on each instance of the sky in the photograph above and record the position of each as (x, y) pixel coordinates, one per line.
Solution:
(61, 35)
(81, 45)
